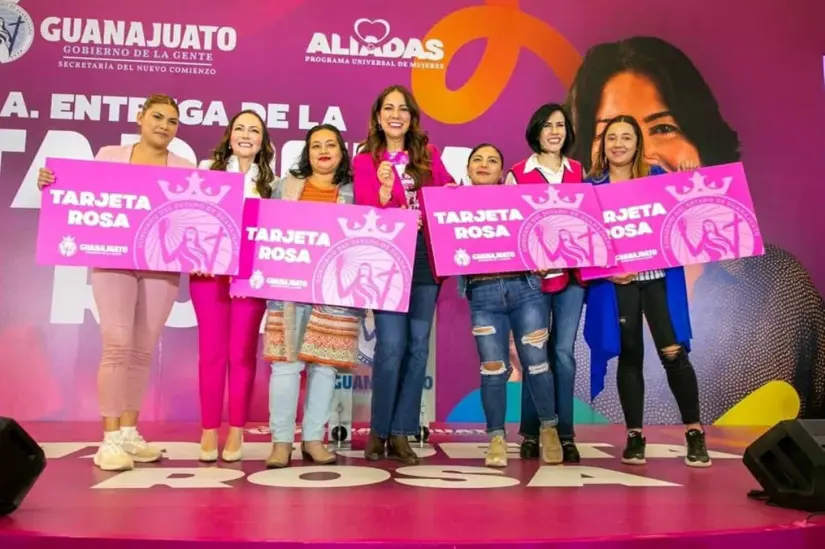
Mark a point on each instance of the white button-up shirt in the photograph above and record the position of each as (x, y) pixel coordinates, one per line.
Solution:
(553, 177)
(250, 188)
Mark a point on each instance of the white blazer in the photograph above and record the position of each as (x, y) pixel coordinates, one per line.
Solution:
(250, 189)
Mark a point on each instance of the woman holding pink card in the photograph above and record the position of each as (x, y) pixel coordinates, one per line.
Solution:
(228, 327)
(617, 307)
(499, 303)
(132, 305)
(395, 161)
(301, 337)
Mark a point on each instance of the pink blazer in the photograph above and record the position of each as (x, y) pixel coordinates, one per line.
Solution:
(122, 154)
(366, 185)
(574, 175)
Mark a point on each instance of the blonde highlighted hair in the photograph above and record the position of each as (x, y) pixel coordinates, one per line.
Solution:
(601, 166)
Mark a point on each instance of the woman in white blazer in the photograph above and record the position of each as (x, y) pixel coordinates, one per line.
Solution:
(228, 327)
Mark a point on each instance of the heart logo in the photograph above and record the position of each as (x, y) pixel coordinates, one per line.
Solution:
(369, 30)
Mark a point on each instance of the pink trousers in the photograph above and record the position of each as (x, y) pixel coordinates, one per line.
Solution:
(228, 331)
(133, 307)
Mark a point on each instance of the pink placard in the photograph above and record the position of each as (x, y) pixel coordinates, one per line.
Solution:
(511, 228)
(329, 254)
(681, 218)
(152, 218)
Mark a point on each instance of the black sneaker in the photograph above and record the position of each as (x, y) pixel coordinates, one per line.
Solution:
(697, 451)
(634, 451)
(570, 452)
(529, 448)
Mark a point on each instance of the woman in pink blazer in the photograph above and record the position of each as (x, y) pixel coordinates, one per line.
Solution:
(132, 305)
(394, 162)
(550, 136)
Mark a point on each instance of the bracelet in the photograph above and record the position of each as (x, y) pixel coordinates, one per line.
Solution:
(385, 195)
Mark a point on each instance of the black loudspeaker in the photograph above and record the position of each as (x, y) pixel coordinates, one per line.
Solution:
(789, 463)
(21, 462)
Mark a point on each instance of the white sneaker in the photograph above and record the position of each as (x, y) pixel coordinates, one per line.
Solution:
(137, 447)
(112, 457)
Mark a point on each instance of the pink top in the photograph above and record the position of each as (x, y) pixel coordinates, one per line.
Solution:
(572, 174)
(366, 184)
(366, 187)
(123, 153)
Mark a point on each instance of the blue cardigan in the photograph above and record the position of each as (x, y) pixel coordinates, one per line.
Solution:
(601, 319)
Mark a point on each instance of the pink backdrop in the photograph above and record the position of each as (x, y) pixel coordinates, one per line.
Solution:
(762, 62)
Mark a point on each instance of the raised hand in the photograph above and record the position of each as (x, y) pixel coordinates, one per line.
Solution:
(45, 177)
(385, 175)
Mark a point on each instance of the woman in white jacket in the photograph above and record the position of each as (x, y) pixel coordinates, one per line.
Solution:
(228, 327)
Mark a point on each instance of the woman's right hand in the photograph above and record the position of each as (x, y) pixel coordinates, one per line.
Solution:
(385, 175)
(201, 273)
(623, 279)
(45, 177)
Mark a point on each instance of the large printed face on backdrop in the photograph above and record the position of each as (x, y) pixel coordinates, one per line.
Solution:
(741, 373)
(665, 144)
(656, 83)
(681, 121)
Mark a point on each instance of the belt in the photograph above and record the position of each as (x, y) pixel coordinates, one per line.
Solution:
(492, 278)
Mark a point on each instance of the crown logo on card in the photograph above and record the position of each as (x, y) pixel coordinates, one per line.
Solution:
(370, 228)
(700, 189)
(554, 200)
(194, 190)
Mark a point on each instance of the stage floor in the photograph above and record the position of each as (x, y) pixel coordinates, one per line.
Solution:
(450, 500)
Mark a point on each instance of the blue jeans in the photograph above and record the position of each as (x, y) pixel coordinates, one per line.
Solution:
(496, 306)
(565, 307)
(284, 389)
(402, 347)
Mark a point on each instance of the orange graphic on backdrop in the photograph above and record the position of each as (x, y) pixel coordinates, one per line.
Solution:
(506, 30)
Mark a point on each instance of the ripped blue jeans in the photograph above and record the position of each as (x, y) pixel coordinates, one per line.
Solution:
(496, 306)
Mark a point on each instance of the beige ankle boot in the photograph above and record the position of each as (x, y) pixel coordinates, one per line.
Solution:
(281, 456)
(317, 452)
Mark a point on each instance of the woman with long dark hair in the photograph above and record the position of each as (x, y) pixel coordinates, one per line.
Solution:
(616, 308)
(228, 326)
(394, 162)
(320, 339)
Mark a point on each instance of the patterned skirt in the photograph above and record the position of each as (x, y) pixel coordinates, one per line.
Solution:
(326, 338)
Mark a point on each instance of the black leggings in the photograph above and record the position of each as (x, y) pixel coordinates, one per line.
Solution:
(649, 298)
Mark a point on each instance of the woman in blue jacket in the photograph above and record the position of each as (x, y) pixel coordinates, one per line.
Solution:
(616, 308)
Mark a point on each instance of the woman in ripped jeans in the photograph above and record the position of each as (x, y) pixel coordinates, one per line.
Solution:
(497, 304)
